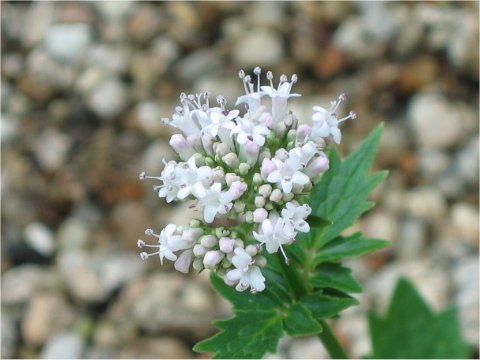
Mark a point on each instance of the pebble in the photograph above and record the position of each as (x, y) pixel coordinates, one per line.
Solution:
(426, 203)
(307, 348)
(353, 327)
(115, 59)
(465, 278)
(434, 121)
(74, 233)
(467, 162)
(40, 238)
(68, 42)
(465, 223)
(196, 64)
(109, 98)
(432, 163)
(9, 335)
(51, 149)
(259, 47)
(411, 239)
(148, 115)
(380, 224)
(21, 283)
(157, 348)
(152, 159)
(46, 315)
(10, 128)
(64, 345)
(38, 20)
(172, 302)
(230, 88)
(115, 11)
(80, 277)
(130, 219)
(118, 269)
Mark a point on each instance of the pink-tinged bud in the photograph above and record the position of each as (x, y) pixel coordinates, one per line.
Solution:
(184, 261)
(281, 154)
(317, 165)
(191, 234)
(218, 175)
(222, 149)
(237, 189)
(226, 244)
(231, 160)
(212, 258)
(267, 119)
(259, 202)
(259, 215)
(199, 250)
(267, 168)
(260, 261)
(230, 178)
(194, 141)
(265, 190)
(303, 131)
(276, 195)
(181, 146)
(251, 250)
(207, 143)
(209, 241)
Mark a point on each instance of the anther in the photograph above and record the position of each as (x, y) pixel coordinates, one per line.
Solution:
(257, 70)
(149, 232)
(353, 115)
(142, 175)
(241, 74)
(143, 256)
(140, 243)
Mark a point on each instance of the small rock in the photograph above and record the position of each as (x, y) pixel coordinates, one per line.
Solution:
(467, 162)
(431, 163)
(307, 348)
(112, 58)
(465, 278)
(51, 149)
(115, 11)
(259, 47)
(380, 224)
(149, 114)
(353, 327)
(165, 50)
(40, 238)
(230, 88)
(10, 128)
(74, 233)
(159, 348)
(68, 42)
(411, 238)
(21, 283)
(265, 13)
(145, 22)
(46, 315)
(426, 203)
(170, 301)
(64, 345)
(80, 276)
(131, 219)
(117, 269)
(465, 222)
(197, 63)
(39, 17)
(9, 335)
(109, 98)
(152, 159)
(435, 121)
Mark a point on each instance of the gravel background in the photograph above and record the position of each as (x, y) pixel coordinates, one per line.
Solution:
(83, 88)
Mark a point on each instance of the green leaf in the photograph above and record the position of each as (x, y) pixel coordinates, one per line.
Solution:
(341, 194)
(300, 321)
(323, 306)
(410, 329)
(333, 275)
(248, 335)
(349, 246)
(316, 221)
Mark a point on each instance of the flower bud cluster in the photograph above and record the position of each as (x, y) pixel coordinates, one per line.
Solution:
(254, 170)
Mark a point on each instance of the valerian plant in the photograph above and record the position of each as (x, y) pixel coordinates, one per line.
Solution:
(272, 210)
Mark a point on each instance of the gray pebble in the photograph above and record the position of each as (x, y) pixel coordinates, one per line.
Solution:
(40, 238)
(64, 345)
(68, 42)
(259, 47)
(109, 98)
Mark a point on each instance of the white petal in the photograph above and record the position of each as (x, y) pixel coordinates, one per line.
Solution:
(300, 178)
(286, 186)
(234, 275)
(274, 177)
(257, 280)
(183, 262)
(209, 213)
(336, 134)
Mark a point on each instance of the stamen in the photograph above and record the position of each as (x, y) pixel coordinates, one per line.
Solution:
(142, 175)
(140, 243)
(149, 232)
(270, 78)
(144, 256)
(257, 71)
(287, 260)
(241, 74)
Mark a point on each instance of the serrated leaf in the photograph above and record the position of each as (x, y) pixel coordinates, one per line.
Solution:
(316, 221)
(341, 194)
(349, 246)
(333, 275)
(410, 329)
(323, 306)
(300, 321)
(248, 335)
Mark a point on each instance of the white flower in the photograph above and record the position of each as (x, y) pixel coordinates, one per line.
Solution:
(251, 97)
(218, 118)
(245, 272)
(288, 173)
(325, 122)
(214, 202)
(170, 187)
(192, 180)
(249, 131)
(274, 233)
(296, 215)
(304, 153)
(168, 243)
(280, 95)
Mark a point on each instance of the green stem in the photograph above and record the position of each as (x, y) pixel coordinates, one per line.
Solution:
(331, 343)
(299, 288)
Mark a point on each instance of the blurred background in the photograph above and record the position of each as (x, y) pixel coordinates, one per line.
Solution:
(83, 88)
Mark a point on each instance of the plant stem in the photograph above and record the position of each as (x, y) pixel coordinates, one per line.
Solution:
(299, 288)
(330, 342)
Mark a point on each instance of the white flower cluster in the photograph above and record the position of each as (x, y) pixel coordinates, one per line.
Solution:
(253, 170)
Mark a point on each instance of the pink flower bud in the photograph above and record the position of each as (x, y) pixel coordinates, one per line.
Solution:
(237, 189)
(303, 131)
(209, 241)
(230, 178)
(199, 250)
(267, 168)
(184, 261)
(267, 119)
(281, 154)
(222, 149)
(194, 141)
(249, 153)
(226, 244)
(212, 258)
(191, 234)
(181, 146)
(259, 215)
(231, 160)
(265, 190)
(218, 175)
(318, 165)
(259, 201)
(276, 195)
(207, 143)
